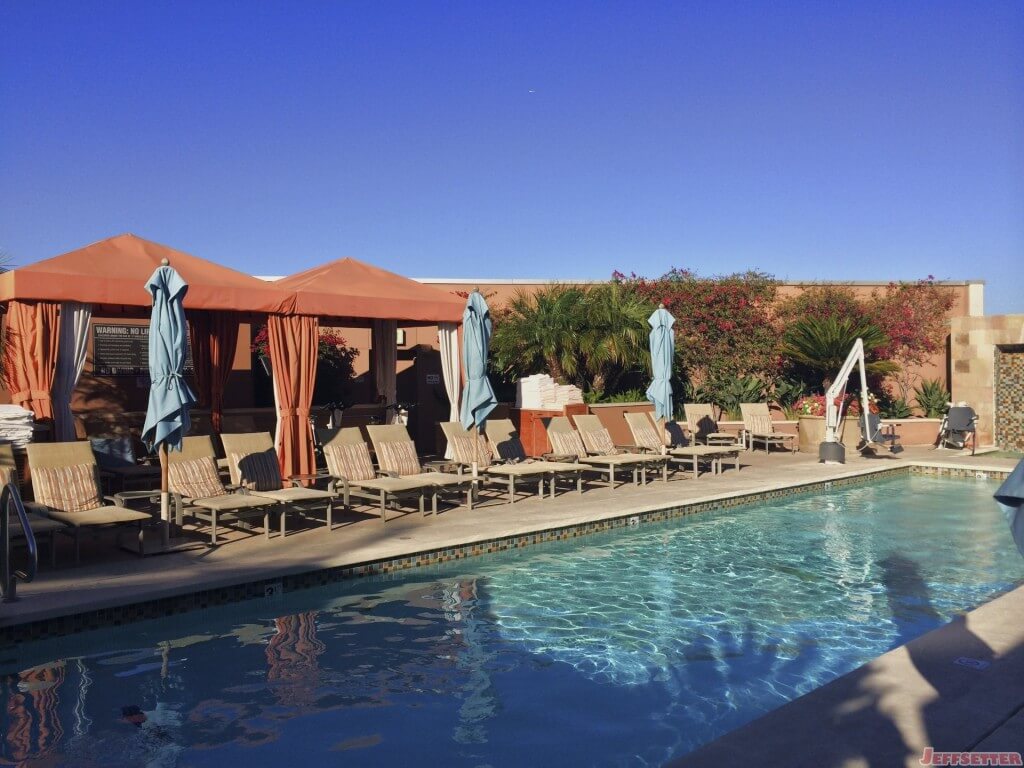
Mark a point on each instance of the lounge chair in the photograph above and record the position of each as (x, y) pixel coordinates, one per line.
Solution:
(758, 427)
(194, 481)
(116, 459)
(958, 426)
(396, 456)
(469, 448)
(645, 434)
(66, 485)
(252, 464)
(703, 428)
(41, 525)
(506, 447)
(352, 473)
(872, 434)
(601, 455)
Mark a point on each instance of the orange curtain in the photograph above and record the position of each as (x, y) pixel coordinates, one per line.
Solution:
(293, 348)
(30, 354)
(214, 339)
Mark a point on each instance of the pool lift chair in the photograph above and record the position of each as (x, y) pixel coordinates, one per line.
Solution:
(831, 450)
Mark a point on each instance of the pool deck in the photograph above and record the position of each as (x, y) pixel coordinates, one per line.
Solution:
(879, 715)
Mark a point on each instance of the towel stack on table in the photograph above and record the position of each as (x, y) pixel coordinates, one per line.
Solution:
(540, 392)
(15, 425)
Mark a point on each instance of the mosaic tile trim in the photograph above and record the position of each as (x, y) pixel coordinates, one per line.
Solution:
(273, 587)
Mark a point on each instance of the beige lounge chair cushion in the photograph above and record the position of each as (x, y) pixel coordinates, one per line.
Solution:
(293, 495)
(566, 443)
(399, 456)
(469, 449)
(195, 478)
(394, 484)
(444, 478)
(350, 461)
(258, 471)
(598, 441)
(524, 469)
(646, 436)
(230, 501)
(71, 488)
(105, 515)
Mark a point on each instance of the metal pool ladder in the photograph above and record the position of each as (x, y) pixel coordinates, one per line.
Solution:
(9, 498)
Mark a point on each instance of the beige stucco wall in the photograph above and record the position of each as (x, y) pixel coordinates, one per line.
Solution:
(973, 345)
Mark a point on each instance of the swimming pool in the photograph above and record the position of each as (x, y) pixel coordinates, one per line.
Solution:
(624, 648)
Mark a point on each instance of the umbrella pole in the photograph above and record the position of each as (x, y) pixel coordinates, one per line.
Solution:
(165, 511)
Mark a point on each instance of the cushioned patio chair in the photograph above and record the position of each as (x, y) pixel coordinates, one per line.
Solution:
(703, 427)
(469, 448)
(645, 434)
(195, 482)
(958, 426)
(66, 486)
(507, 448)
(603, 457)
(253, 465)
(758, 427)
(396, 456)
(42, 526)
(352, 473)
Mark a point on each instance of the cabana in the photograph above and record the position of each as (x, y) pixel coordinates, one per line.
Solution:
(350, 293)
(49, 305)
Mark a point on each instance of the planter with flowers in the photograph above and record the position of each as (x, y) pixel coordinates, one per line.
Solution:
(810, 414)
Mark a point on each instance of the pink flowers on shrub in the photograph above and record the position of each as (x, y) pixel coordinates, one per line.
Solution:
(814, 405)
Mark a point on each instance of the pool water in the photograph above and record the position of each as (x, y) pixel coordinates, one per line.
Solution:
(619, 649)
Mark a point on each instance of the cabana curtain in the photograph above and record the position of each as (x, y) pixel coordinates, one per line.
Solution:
(74, 338)
(385, 359)
(448, 337)
(30, 355)
(293, 344)
(214, 339)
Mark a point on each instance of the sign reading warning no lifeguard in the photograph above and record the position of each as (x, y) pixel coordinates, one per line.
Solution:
(123, 350)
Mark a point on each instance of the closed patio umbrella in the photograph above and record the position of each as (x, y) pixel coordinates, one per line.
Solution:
(1010, 498)
(663, 349)
(478, 397)
(167, 417)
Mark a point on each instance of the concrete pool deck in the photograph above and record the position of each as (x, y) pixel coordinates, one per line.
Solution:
(877, 715)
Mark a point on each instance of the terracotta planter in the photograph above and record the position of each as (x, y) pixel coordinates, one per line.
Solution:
(812, 433)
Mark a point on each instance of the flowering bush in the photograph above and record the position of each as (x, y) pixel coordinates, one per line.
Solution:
(814, 405)
(332, 345)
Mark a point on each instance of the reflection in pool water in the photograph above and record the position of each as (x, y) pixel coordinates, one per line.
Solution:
(619, 649)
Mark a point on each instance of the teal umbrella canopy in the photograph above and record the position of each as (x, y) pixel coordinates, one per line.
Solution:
(1010, 498)
(167, 417)
(478, 397)
(663, 350)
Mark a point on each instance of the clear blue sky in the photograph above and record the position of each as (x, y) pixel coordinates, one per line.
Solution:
(818, 140)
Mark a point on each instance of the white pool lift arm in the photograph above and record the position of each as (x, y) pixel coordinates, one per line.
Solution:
(831, 451)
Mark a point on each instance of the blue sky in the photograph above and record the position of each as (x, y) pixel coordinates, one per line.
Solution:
(819, 140)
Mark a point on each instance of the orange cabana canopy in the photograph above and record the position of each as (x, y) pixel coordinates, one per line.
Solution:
(114, 271)
(350, 289)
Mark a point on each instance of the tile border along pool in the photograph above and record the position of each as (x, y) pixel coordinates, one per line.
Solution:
(102, 605)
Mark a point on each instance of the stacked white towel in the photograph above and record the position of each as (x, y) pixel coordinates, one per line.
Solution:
(541, 392)
(15, 425)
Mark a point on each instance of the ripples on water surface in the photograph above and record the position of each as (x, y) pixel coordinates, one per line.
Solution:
(616, 649)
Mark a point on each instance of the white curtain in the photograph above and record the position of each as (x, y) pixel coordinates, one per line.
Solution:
(385, 359)
(74, 336)
(448, 336)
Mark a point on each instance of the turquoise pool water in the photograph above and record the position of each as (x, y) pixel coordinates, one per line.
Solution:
(618, 649)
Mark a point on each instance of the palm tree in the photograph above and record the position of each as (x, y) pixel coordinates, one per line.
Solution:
(535, 333)
(821, 345)
(613, 337)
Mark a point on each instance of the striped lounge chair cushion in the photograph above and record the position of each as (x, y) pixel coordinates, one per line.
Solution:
(567, 444)
(258, 471)
(647, 437)
(467, 450)
(195, 478)
(761, 425)
(600, 442)
(8, 475)
(73, 488)
(399, 456)
(350, 461)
